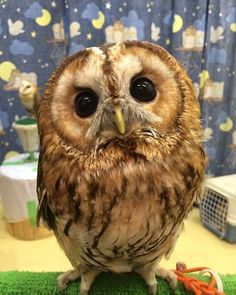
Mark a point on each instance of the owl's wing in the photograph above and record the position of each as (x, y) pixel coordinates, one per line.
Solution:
(44, 212)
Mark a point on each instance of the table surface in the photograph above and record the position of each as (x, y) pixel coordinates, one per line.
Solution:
(18, 168)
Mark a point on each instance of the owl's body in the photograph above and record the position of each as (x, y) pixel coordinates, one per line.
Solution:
(115, 183)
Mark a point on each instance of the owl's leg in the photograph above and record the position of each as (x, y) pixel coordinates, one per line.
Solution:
(87, 278)
(149, 273)
(67, 277)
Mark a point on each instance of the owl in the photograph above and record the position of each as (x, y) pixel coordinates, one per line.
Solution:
(121, 160)
(29, 96)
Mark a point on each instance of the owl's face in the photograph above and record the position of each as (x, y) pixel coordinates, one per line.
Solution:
(119, 91)
(27, 88)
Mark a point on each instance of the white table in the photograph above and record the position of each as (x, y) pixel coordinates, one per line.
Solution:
(18, 188)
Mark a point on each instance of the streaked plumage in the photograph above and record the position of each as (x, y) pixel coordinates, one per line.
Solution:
(117, 200)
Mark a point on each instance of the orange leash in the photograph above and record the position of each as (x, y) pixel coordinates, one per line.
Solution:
(194, 285)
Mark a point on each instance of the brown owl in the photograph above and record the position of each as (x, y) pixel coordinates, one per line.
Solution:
(121, 160)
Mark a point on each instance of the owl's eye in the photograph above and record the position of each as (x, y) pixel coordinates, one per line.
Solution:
(86, 103)
(143, 89)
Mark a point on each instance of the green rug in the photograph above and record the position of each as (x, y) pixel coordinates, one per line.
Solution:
(30, 283)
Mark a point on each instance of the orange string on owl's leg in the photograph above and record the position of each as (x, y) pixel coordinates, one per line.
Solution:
(195, 285)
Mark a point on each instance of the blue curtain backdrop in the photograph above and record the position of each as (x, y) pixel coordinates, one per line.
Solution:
(201, 34)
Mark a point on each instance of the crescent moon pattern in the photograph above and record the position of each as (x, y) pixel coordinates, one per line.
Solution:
(38, 34)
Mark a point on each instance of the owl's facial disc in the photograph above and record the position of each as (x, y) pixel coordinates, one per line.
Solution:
(98, 95)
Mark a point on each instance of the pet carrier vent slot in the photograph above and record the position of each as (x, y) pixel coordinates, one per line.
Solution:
(214, 208)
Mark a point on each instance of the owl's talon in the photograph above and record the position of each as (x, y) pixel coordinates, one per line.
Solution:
(83, 292)
(67, 277)
(62, 283)
(152, 289)
(172, 281)
(167, 275)
(148, 275)
(173, 284)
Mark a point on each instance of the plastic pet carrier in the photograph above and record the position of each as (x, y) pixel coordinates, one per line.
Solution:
(218, 207)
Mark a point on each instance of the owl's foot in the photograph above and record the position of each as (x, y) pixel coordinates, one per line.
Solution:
(67, 277)
(167, 275)
(87, 278)
(149, 274)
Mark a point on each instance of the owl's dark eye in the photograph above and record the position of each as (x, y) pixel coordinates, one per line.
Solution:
(86, 103)
(143, 89)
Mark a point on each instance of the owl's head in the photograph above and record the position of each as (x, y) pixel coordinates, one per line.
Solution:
(27, 88)
(119, 93)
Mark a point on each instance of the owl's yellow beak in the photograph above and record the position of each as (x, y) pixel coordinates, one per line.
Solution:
(119, 119)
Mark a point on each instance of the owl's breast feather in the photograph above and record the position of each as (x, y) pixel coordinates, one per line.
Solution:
(128, 215)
